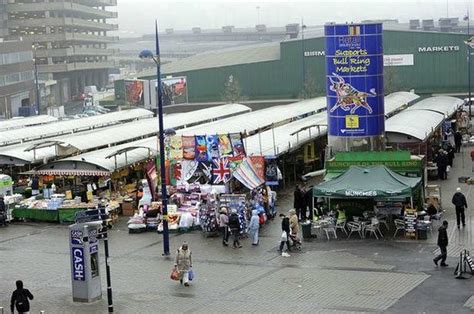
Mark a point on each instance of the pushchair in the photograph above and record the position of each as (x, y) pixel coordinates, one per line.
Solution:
(295, 242)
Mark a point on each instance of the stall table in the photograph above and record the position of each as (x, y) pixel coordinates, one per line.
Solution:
(35, 214)
(68, 215)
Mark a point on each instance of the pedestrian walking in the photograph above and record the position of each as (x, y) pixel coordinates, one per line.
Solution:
(224, 226)
(450, 155)
(442, 164)
(443, 245)
(184, 263)
(234, 225)
(285, 228)
(294, 229)
(459, 201)
(298, 197)
(458, 141)
(253, 227)
(20, 299)
(3, 212)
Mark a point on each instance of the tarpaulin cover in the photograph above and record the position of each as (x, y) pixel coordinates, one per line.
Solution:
(367, 182)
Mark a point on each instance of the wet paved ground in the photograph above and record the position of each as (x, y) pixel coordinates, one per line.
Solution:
(393, 276)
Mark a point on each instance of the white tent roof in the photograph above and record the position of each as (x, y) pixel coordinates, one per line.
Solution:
(445, 105)
(85, 141)
(416, 123)
(99, 158)
(71, 126)
(396, 100)
(28, 121)
(258, 119)
(149, 127)
(285, 138)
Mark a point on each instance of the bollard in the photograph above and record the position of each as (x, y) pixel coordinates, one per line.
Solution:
(1, 310)
(41, 312)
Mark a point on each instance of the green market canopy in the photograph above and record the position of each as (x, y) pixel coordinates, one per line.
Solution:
(368, 182)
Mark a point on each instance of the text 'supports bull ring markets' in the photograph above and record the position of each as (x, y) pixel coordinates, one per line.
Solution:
(354, 65)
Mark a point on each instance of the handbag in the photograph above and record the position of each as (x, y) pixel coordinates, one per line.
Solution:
(191, 275)
(174, 274)
(284, 236)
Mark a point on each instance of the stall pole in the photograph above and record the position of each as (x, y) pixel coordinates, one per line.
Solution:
(107, 263)
(260, 142)
(411, 201)
(273, 135)
(164, 196)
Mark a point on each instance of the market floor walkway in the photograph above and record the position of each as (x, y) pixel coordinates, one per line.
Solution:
(344, 275)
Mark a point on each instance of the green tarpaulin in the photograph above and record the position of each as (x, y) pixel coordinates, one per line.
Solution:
(368, 182)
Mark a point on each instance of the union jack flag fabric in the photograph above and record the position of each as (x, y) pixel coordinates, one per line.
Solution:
(220, 171)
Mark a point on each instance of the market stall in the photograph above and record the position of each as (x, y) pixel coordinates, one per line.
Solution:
(375, 189)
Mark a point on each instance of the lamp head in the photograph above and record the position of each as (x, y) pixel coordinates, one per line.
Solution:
(146, 54)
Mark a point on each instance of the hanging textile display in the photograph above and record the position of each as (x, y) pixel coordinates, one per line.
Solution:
(167, 171)
(220, 171)
(176, 147)
(258, 163)
(189, 147)
(201, 148)
(225, 147)
(271, 170)
(234, 162)
(188, 168)
(152, 177)
(237, 144)
(247, 175)
(205, 169)
(167, 141)
(175, 172)
(212, 146)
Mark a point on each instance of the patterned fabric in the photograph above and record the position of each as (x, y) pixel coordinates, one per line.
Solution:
(258, 163)
(212, 146)
(188, 168)
(225, 147)
(220, 171)
(189, 147)
(176, 147)
(247, 175)
(201, 148)
(237, 144)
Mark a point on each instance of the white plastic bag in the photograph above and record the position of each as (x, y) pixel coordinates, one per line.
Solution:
(284, 236)
(448, 168)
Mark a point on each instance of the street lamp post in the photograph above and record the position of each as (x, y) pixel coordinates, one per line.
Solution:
(303, 27)
(38, 96)
(147, 54)
(469, 43)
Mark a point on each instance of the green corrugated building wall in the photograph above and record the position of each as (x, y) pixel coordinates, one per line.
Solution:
(440, 66)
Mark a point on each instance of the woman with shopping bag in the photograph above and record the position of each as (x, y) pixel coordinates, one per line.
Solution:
(183, 263)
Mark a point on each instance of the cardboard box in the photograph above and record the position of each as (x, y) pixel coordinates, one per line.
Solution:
(128, 208)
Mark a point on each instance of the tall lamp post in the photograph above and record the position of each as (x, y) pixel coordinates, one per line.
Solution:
(469, 43)
(38, 96)
(147, 54)
(303, 27)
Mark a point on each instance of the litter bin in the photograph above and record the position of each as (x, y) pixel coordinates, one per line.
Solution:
(306, 227)
(422, 230)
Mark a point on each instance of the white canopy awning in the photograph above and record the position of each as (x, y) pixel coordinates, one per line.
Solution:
(445, 105)
(395, 101)
(414, 123)
(28, 121)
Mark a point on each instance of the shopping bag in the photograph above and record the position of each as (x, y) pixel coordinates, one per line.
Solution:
(448, 168)
(174, 274)
(190, 275)
(284, 236)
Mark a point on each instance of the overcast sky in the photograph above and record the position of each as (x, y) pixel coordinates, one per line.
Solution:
(137, 16)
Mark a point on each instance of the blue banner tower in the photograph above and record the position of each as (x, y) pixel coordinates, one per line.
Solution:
(354, 86)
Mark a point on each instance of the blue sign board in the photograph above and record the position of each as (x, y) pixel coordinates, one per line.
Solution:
(77, 237)
(78, 269)
(354, 79)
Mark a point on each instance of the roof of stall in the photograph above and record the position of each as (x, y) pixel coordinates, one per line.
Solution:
(101, 162)
(445, 105)
(408, 122)
(258, 119)
(287, 137)
(395, 101)
(71, 126)
(120, 133)
(28, 121)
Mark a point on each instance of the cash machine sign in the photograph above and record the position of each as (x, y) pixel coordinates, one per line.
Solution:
(78, 271)
(76, 236)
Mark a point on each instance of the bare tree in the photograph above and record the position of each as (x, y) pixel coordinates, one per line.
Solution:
(309, 87)
(232, 92)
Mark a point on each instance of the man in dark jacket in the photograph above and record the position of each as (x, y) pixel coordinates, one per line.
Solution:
(20, 299)
(443, 244)
(3, 212)
(285, 227)
(234, 226)
(298, 200)
(459, 201)
(458, 141)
